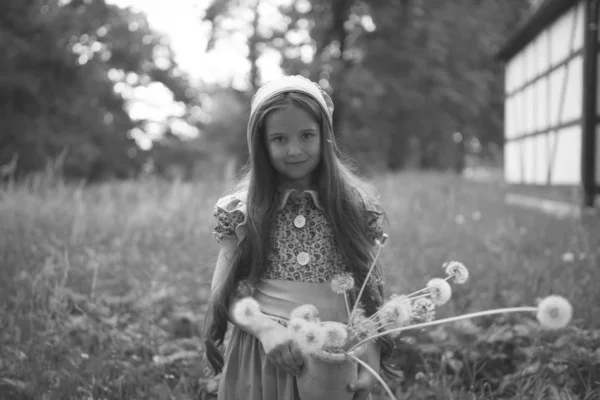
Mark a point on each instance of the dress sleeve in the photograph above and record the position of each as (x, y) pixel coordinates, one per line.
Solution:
(374, 215)
(231, 218)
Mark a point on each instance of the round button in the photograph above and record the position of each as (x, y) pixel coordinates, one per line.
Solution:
(299, 221)
(303, 258)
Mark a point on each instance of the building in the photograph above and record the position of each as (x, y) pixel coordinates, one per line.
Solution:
(552, 124)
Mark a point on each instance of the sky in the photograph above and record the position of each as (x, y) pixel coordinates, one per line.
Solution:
(182, 21)
(225, 64)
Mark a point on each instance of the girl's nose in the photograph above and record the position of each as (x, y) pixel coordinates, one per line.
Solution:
(294, 149)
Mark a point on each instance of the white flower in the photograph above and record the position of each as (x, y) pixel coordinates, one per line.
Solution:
(395, 311)
(311, 336)
(335, 335)
(246, 309)
(554, 312)
(295, 325)
(568, 257)
(362, 326)
(423, 305)
(307, 312)
(341, 283)
(425, 316)
(439, 290)
(458, 271)
(357, 316)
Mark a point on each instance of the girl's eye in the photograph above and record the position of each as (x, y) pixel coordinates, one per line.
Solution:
(308, 135)
(278, 139)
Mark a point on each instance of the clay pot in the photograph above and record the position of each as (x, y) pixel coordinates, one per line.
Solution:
(326, 376)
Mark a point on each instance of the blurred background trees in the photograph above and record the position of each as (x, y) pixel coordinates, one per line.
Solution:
(414, 82)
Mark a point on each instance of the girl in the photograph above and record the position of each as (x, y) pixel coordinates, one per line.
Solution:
(297, 218)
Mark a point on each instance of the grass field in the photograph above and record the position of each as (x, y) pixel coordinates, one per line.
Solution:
(103, 291)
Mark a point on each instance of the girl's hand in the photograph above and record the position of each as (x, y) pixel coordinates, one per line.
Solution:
(365, 381)
(282, 350)
(363, 385)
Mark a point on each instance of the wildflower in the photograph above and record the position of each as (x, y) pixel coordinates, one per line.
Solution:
(428, 316)
(395, 311)
(439, 290)
(341, 283)
(568, 257)
(423, 305)
(554, 312)
(295, 325)
(458, 271)
(357, 316)
(245, 309)
(362, 325)
(335, 335)
(307, 312)
(311, 336)
(423, 311)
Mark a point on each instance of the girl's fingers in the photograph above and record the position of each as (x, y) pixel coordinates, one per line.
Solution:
(281, 363)
(289, 360)
(297, 355)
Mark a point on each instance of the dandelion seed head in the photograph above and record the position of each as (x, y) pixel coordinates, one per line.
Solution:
(458, 271)
(341, 283)
(423, 305)
(307, 312)
(312, 336)
(363, 326)
(397, 310)
(335, 335)
(439, 290)
(425, 316)
(295, 325)
(245, 309)
(554, 312)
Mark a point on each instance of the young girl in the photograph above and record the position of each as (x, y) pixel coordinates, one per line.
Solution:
(297, 218)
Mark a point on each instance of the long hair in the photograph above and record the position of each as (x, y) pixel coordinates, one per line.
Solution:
(342, 195)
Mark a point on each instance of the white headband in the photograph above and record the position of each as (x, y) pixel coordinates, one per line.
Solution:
(295, 83)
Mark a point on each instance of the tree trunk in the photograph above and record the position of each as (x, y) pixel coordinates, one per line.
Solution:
(253, 50)
(340, 11)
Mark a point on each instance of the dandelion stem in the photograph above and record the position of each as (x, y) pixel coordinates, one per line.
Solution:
(372, 317)
(347, 307)
(445, 320)
(375, 374)
(357, 302)
(417, 292)
(421, 296)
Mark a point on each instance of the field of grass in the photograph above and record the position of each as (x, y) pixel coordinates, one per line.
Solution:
(103, 291)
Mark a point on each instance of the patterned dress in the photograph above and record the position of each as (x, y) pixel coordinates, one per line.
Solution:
(302, 260)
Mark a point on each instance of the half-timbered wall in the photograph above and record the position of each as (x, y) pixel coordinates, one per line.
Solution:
(543, 107)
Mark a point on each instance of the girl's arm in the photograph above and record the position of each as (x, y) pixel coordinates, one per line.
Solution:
(228, 246)
(280, 348)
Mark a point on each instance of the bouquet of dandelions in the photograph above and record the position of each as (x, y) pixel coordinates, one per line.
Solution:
(332, 350)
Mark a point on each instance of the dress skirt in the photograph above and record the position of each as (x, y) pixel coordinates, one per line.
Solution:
(247, 374)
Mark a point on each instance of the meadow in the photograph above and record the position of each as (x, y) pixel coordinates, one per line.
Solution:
(103, 290)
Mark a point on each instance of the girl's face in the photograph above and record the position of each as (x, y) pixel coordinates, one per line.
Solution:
(294, 145)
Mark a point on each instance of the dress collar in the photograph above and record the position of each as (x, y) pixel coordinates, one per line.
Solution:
(286, 193)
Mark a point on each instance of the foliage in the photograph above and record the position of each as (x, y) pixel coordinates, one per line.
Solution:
(103, 290)
(69, 69)
(404, 75)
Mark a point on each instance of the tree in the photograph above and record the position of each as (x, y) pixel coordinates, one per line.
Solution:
(63, 62)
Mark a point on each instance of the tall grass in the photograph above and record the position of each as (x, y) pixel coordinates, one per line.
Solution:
(103, 289)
